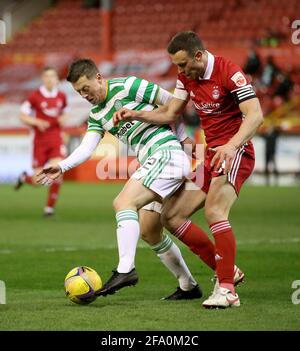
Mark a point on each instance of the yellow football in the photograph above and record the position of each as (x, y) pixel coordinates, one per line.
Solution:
(81, 284)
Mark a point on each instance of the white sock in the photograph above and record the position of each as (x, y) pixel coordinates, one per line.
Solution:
(171, 257)
(128, 233)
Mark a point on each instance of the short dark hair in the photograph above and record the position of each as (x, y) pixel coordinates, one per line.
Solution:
(80, 68)
(187, 41)
(49, 68)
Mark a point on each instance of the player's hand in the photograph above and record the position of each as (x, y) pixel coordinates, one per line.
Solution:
(47, 175)
(42, 125)
(224, 154)
(124, 115)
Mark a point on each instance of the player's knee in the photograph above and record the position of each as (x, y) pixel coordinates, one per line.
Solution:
(171, 221)
(121, 203)
(151, 238)
(213, 214)
(118, 204)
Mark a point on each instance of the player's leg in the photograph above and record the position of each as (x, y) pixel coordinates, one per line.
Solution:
(24, 178)
(151, 182)
(53, 190)
(55, 153)
(126, 205)
(222, 194)
(39, 158)
(175, 217)
(220, 198)
(168, 252)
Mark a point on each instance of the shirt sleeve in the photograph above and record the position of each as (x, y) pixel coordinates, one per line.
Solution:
(94, 126)
(140, 90)
(180, 92)
(163, 97)
(82, 153)
(238, 83)
(28, 106)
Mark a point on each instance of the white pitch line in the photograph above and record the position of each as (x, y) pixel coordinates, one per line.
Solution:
(142, 246)
(271, 241)
(5, 252)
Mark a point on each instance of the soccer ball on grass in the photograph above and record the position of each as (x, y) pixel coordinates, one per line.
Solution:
(81, 284)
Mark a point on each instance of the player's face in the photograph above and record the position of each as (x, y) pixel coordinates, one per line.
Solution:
(50, 79)
(92, 89)
(191, 67)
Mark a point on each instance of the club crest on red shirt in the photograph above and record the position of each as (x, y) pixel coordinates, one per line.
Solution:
(215, 93)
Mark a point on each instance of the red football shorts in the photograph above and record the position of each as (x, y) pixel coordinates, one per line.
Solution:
(43, 152)
(241, 169)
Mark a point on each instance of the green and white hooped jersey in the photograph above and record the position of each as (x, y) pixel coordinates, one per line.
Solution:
(135, 94)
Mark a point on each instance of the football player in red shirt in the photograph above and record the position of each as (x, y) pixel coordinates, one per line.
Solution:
(230, 114)
(45, 112)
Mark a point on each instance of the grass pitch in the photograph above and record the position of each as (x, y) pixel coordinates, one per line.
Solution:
(37, 253)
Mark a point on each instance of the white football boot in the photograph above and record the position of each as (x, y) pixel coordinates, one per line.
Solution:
(238, 278)
(222, 298)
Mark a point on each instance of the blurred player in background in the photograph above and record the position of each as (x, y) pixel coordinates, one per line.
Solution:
(230, 114)
(45, 112)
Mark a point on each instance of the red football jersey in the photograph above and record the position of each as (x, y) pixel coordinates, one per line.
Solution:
(216, 97)
(48, 106)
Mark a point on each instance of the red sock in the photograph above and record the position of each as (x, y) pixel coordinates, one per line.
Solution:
(53, 193)
(225, 253)
(198, 242)
(28, 179)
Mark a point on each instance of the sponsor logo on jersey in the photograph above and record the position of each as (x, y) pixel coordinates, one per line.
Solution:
(239, 79)
(51, 112)
(126, 126)
(207, 107)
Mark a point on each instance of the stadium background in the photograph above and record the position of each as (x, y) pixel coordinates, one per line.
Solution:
(128, 37)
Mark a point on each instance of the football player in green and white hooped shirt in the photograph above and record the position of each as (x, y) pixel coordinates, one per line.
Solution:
(164, 168)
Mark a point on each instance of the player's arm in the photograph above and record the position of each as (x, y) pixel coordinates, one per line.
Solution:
(81, 154)
(162, 115)
(26, 118)
(253, 119)
(244, 95)
(169, 111)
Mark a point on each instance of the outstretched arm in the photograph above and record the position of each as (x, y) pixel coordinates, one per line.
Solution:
(81, 154)
(166, 114)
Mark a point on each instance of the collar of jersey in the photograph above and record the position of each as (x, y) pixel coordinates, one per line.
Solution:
(209, 67)
(48, 94)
